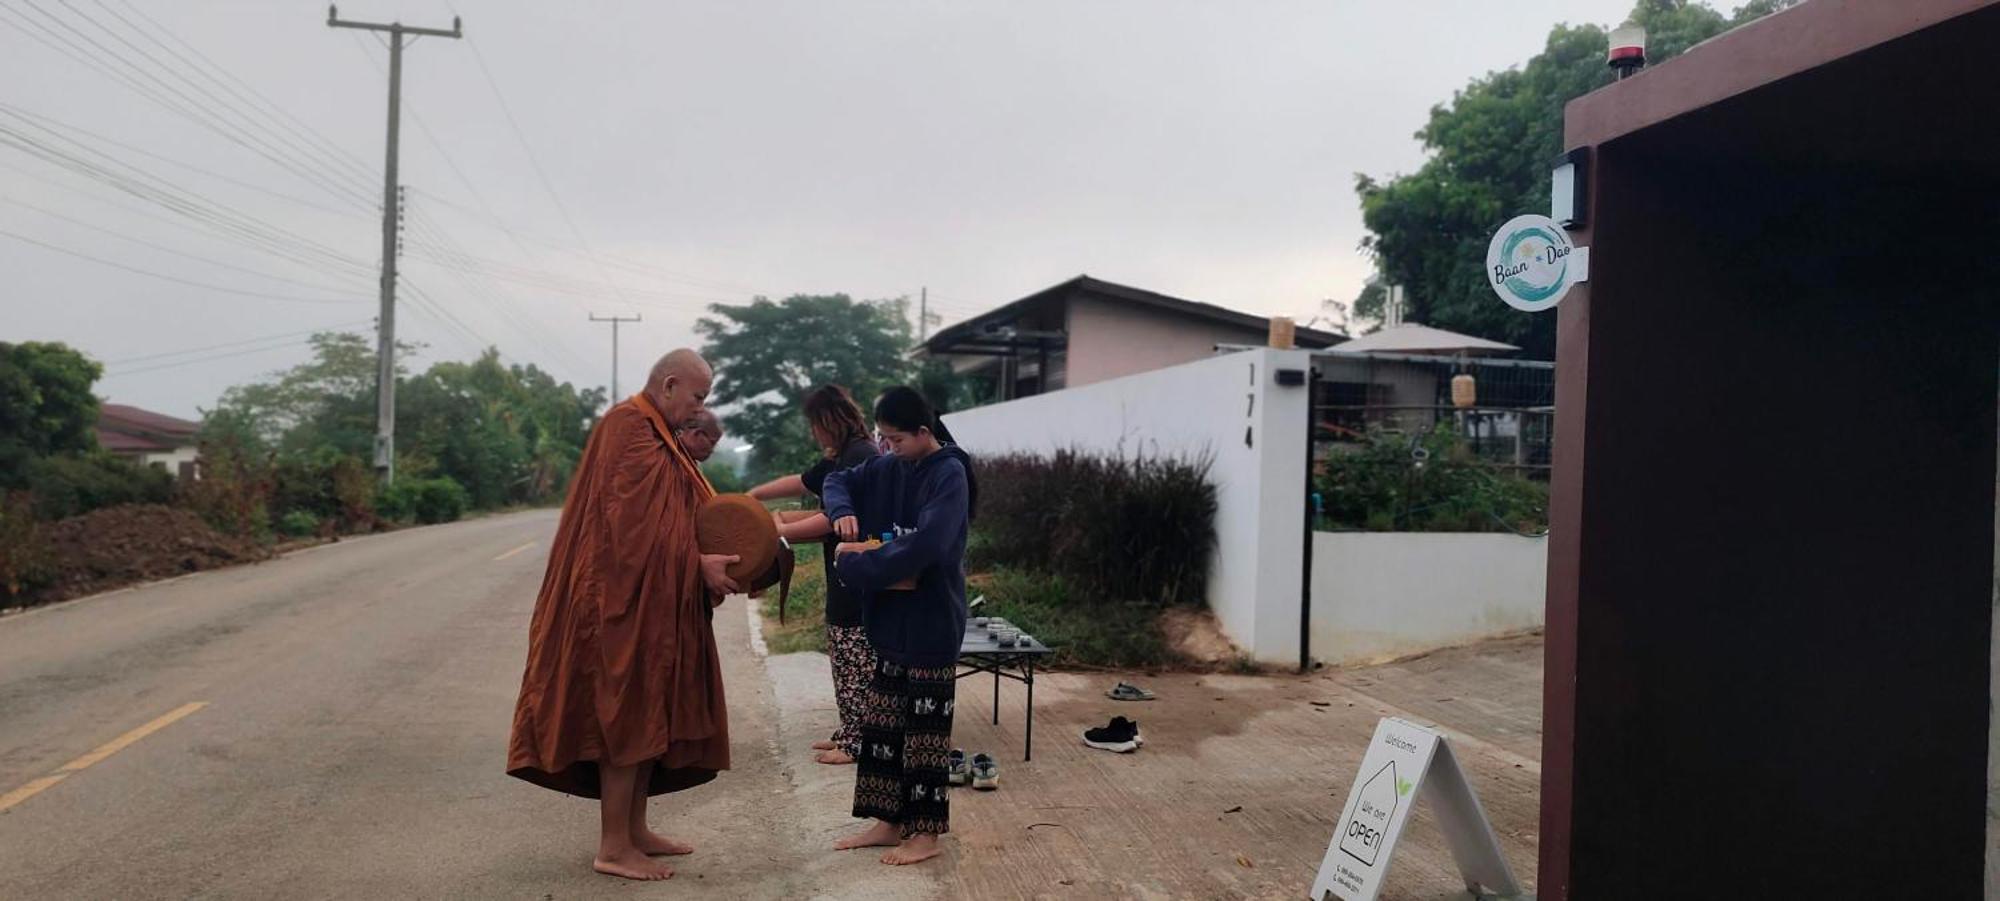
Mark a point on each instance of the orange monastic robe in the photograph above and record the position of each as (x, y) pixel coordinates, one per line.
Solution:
(622, 663)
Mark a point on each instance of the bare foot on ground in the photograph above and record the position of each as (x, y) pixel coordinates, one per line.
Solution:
(651, 843)
(915, 849)
(632, 864)
(835, 757)
(823, 746)
(880, 835)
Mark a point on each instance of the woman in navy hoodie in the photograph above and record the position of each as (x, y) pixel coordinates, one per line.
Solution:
(921, 495)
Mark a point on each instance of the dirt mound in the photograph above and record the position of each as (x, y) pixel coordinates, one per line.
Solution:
(121, 545)
(1194, 634)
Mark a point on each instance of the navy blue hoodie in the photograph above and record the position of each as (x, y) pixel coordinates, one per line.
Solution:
(925, 505)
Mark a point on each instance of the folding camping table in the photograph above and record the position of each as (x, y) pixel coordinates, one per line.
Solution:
(979, 653)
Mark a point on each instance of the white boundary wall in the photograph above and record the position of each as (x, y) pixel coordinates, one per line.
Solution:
(1208, 406)
(1378, 595)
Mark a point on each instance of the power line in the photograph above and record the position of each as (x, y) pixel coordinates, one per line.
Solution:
(475, 292)
(172, 278)
(51, 124)
(229, 344)
(536, 162)
(486, 213)
(187, 107)
(157, 216)
(511, 314)
(278, 142)
(463, 264)
(179, 253)
(206, 359)
(303, 158)
(423, 301)
(245, 117)
(537, 278)
(255, 99)
(612, 260)
(146, 186)
(225, 223)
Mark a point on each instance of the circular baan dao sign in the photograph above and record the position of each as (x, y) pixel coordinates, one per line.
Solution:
(1531, 263)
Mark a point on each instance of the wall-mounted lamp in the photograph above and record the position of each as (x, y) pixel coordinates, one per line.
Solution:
(1569, 188)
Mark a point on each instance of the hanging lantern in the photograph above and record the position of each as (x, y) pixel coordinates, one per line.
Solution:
(1283, 332)
(1464, 391)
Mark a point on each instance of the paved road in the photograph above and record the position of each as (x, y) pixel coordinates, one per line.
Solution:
(354, 703)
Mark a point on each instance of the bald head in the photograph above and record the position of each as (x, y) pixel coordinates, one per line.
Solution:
(678, 386)
(700, 434)
(681, 362)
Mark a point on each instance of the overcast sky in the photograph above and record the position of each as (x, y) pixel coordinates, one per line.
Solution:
(675, 154)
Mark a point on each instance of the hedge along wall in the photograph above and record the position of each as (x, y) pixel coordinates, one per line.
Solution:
(1114, 528)
(1228, 410)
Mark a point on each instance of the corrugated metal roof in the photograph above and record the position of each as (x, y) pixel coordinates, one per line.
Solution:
(945, 338)
(1411, 338)
(122, 443)
(126, 418)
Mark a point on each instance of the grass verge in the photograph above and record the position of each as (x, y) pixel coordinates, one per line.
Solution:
(804, 628)
(1104, 634)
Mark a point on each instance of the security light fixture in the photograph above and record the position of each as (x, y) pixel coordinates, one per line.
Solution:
(1569, 188)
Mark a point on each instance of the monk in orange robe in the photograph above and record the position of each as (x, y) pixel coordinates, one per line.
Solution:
(622, 697)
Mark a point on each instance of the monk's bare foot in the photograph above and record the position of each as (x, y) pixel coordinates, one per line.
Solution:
(880, 835)
(915, 849)
(823, 746)
(836, 757)
(631, 863)
(654, 844)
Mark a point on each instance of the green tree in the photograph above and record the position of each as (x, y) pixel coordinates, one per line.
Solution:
(767, 355)
(1490, 150)
(724, 477)
(555, 420)
(46, 406)
(325, 402)
(505, 433)
(1369, 303)
(454, 420)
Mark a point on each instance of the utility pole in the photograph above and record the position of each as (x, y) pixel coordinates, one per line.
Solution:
(925, 319)
(385, 331)
(614, 319)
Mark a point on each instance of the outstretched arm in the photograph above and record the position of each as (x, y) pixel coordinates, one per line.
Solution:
(780, 487)
(806, 528)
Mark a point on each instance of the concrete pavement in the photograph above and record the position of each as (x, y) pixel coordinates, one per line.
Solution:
(333, 724)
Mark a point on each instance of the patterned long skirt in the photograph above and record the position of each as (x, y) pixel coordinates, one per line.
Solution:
(853, 660)
(905, 746)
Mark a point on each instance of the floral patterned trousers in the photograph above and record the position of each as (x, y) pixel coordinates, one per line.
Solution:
(853, 660)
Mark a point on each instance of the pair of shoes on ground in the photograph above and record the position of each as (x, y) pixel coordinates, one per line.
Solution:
(1120, 735)
(981, 772)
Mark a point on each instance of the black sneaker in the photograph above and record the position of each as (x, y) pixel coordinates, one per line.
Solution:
(1138, 737)
(1121, 735)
